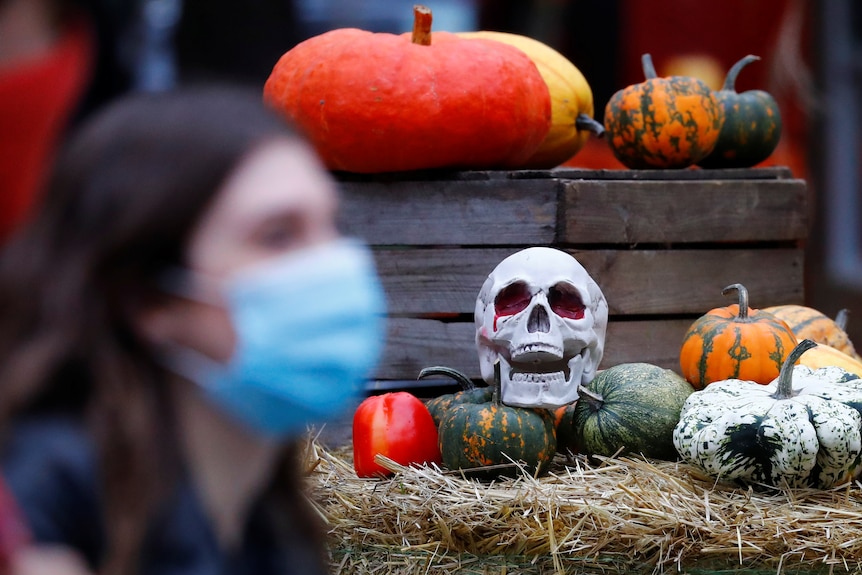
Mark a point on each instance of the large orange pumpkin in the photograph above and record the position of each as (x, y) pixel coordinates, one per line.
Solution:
(378, 102)
(735, 342)
(669, 122)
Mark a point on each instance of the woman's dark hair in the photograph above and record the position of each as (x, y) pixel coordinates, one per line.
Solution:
(118, 210)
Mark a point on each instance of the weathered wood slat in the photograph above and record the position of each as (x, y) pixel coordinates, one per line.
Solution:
(764, 173)
(617, 212)
(635, 282)
(559, 211)
(416, 343)
(451, 212)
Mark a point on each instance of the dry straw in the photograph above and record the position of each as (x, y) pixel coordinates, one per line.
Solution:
(622, 515)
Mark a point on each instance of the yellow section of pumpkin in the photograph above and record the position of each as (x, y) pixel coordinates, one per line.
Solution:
(825, 355)
(809, 323)
(571, 95)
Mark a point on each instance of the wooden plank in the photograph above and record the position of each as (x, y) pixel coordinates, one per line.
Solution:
(683, 212)
(635, 282)
(575, 173)
(642, 282)
(451, 212)
(544, 211)
(413, 344)
(767, 173)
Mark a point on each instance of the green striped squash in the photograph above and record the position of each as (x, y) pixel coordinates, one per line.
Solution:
(630, 408)
(752, 124)
(485, 439)
(477, 437)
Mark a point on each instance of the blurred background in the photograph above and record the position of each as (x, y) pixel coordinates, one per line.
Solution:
(810, 52)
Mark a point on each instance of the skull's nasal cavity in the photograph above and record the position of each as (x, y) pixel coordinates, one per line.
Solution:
(539, 320)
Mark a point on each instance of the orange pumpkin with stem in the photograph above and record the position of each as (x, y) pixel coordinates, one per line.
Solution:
(378, 102)
(669, 122)
(735, 342)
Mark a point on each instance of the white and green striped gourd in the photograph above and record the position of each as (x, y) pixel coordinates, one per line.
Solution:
(804, 429)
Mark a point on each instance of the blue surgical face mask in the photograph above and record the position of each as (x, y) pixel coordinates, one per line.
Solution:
(310, 327)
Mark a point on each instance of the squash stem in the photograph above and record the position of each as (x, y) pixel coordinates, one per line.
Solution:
(730, 79)
(784, 389)
(421, 25)
(585, 122)
(841, 318)
(649, 68)
(593, 399)
(743, 299)
(465, 382)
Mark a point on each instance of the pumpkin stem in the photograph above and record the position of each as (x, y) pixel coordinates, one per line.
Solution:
(585, 122)
(465, 382)
(649, 68)
(785, 376)
(495, 393)
(841, 318)
(593, 399)
(730, 79)
(743, 299)
(421, 25)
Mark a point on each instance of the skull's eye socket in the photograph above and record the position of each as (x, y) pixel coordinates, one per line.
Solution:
(512, 299)
(566, 301)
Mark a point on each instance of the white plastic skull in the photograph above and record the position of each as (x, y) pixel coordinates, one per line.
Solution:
(544, 318)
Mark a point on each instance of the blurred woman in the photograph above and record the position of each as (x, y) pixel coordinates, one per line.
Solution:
(174, 316)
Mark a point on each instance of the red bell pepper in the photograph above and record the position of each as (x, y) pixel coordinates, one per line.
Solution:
(396, 425)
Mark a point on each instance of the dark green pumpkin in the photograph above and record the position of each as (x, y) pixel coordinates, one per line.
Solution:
(476, 437)
(630, 408)
(469, 393)
(752, 124)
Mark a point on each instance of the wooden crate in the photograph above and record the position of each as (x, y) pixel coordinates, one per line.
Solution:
(661, 244)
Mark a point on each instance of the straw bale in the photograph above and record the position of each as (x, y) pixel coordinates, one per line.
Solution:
(621, 515)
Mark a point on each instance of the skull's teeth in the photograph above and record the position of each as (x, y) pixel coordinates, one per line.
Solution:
(539, 347)
(543, 378)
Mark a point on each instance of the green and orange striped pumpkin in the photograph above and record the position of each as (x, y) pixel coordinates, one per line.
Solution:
(671, 122)
(808, 323)
(735, 342)
(478, 437)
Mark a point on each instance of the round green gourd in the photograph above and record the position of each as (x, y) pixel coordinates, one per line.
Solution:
(752, 124)
(630, 408)
(476, 437)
